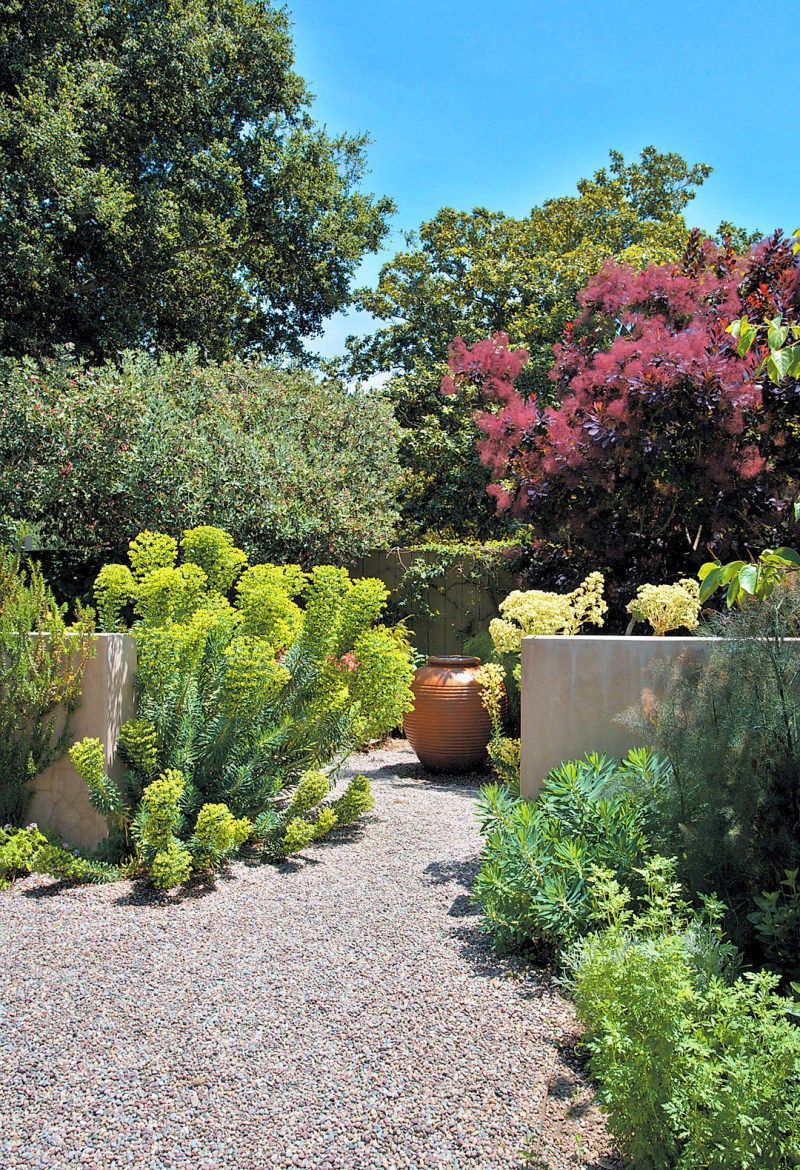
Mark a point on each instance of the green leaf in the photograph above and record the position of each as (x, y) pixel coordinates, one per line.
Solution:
(746, 338)
(796, 509)
(730, 570)
(779, 363)
(748, 579)
(709, 566)
(789, 555)
(777, 334)
(733, 592)
(711, 582)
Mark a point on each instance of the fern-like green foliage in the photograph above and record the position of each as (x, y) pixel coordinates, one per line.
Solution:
(695, 1067)
(254, 683)
(728, 724)
(28, 850)
(41, 668)
(532, 885)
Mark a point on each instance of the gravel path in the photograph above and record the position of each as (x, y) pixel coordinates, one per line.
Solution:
(341, 1012)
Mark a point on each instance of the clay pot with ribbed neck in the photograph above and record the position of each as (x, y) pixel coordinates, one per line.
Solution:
(449, 727)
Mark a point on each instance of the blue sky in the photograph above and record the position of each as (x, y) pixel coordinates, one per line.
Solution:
(505, 103)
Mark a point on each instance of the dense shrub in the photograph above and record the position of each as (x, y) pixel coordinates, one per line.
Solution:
(728, 723)
(538, 856)
(296, 468)
(659, 420)
(41, 666)
(695, 1069)
(251, 680)
(471, 272)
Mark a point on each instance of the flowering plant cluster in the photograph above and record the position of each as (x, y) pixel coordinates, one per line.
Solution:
(667, 607)
(536, 611)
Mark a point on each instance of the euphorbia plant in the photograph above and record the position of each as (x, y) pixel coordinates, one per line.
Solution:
(254, 682)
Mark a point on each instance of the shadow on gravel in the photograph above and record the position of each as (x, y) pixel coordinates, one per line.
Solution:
(390, 771)
(344, 835)
(529, 981)
(456, 872)
(139, 893)
(461, 871)
(51, 890)
(468, 788)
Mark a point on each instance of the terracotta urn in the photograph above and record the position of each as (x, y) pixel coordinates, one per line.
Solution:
(448, 727)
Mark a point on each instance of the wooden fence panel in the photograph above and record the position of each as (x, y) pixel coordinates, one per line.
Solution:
(462, 608)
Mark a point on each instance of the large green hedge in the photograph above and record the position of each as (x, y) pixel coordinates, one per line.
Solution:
(296, 468)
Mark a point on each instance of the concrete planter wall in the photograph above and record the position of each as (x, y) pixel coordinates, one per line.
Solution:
(61, 801)
(573, 688)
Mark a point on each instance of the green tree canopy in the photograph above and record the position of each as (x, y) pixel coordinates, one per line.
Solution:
(163, 183)
(473, 273)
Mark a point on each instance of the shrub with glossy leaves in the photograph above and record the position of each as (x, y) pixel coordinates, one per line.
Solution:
(295, 468)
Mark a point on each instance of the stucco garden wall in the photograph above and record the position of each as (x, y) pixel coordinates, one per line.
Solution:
(573, 689)
(60, 800)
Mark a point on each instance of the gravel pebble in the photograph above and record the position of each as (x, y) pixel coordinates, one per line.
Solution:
(342, 1012)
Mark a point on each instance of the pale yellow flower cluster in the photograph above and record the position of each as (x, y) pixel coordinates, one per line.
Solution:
(667, 607)
(491, 681)
(539, 612)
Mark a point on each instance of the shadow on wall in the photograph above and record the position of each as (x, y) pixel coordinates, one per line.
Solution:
(60, 798)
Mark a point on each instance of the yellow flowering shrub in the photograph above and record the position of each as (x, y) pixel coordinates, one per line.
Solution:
(537, 611)
(667, 607)
(253, 683)
(490, 678)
